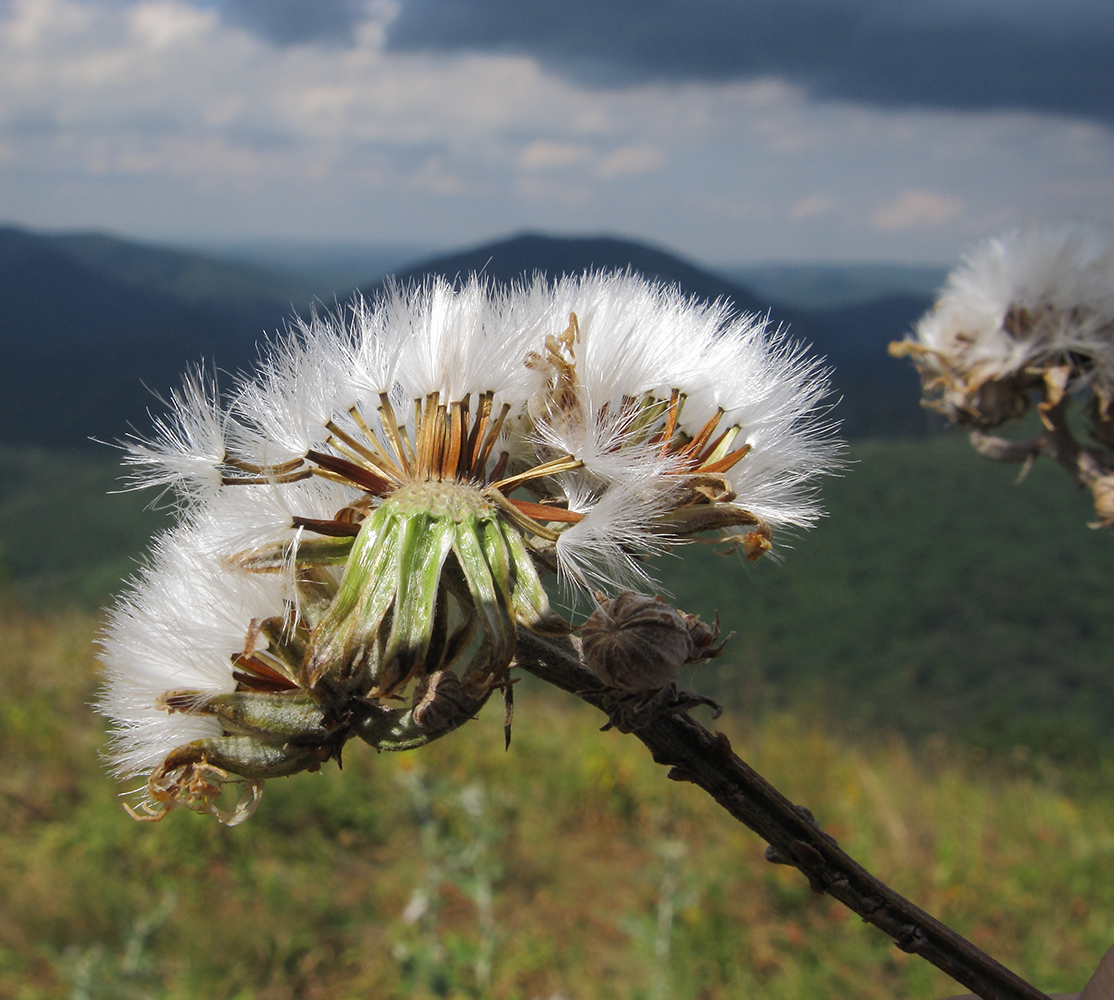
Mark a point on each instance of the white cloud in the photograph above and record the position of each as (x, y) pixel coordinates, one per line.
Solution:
(164, 24)
(917, 210)
(813, 205)
(628, 161)
(545, 155)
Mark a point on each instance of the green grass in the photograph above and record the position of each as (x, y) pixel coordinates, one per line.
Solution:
(567, 866)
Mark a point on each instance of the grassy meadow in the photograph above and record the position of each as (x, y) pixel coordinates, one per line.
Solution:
(566, 867)
(927, 671)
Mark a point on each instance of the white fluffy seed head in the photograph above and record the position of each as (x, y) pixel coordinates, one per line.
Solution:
(635, 338)
(1020, 304)
(183, 617)
(186, 445)
(623, 347)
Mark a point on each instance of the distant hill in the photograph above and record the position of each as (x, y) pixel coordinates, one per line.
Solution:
(522, 256)
(192, 277)
(329, 266)
(879, 396)
(92, 326)
(831, 286)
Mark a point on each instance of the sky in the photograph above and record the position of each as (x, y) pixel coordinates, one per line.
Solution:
(731, 131)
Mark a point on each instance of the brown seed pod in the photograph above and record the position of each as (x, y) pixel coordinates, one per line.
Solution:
(637, 643)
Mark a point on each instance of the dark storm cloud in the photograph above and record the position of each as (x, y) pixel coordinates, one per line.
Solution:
(293, 22)
(1038, 55)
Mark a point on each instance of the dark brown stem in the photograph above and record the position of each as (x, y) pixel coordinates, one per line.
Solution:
(999, 449)
(693, 754)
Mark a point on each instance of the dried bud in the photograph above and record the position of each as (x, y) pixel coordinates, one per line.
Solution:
(703, 637)
(440, 703)
(637, 643)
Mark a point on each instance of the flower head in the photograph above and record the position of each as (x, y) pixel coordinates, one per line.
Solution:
(372, 513)
(1029, 314)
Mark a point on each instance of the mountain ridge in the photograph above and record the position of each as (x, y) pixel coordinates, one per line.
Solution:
(522, 255)
(89, 321)
(878, 394)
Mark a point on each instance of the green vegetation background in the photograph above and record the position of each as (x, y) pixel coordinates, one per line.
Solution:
(937, 595)
(927, 669)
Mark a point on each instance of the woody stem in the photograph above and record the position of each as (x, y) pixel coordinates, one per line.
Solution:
(1084, 465)
(695, 755)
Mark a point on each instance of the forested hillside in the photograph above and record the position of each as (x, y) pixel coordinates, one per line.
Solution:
(95, 329)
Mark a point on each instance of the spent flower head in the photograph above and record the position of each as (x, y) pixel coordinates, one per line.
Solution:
(365, 522)
(1028, 319)
(1029, 315)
